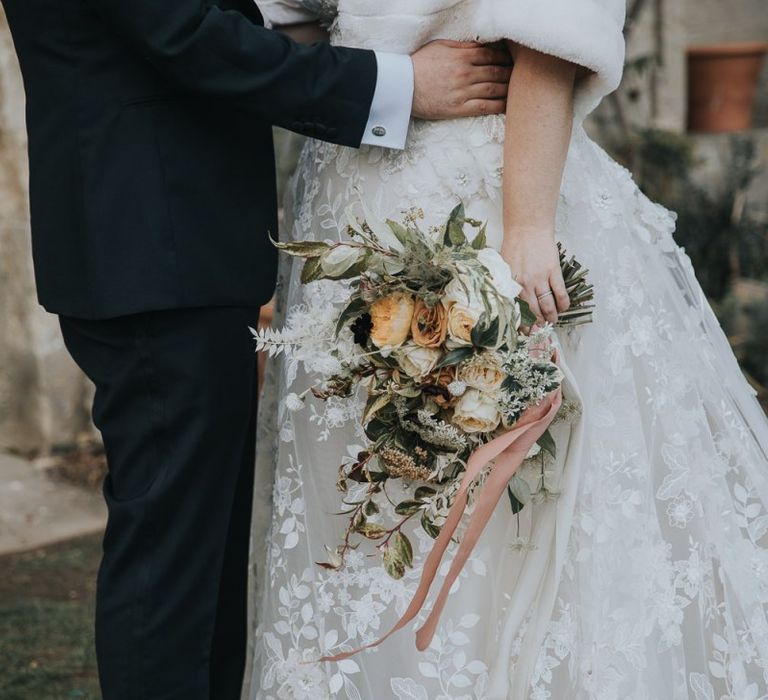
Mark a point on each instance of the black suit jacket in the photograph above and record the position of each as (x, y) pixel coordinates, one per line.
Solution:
(150, 144)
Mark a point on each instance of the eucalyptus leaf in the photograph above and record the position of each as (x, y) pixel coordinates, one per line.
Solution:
(520, 489)
(547, 443)
(302, 249)
(454, 229)
(399, 230)
(429, 527)
(480, 241)
(528, 318)
(312, 271)
(516, 505)
(424, 492)
(374, 405)
(485, 334)
(372, 531)
(352, 311)
(454, 357)
(403, 547)
(352, 272)
(393, 563)
(407, 507)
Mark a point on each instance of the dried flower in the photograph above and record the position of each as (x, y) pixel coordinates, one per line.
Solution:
(361, 329)
(402, 466)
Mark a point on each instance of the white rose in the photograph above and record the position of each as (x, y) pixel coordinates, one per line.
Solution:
(417, 361)
(339, 259)
(500, 273)
(476, 412)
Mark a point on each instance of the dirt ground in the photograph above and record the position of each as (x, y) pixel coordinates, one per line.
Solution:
(46, 622)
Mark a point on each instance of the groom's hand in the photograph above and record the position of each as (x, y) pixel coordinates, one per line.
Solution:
(454, 79)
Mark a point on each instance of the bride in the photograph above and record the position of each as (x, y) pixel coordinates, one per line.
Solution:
(645, 575)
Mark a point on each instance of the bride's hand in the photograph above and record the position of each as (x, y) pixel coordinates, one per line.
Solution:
(534, 260)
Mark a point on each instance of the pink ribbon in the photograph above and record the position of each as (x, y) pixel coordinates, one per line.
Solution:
(509, 451)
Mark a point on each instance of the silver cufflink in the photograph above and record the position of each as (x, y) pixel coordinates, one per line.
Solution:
(379, 131)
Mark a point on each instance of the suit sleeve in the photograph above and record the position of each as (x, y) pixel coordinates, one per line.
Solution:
(586, 32)
(318, 90)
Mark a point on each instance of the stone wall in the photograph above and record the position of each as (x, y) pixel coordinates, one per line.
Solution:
(43, 396)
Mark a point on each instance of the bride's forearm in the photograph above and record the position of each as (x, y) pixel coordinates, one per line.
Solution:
(538, 131)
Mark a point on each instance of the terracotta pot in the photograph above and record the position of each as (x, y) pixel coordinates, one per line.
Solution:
(722, 80)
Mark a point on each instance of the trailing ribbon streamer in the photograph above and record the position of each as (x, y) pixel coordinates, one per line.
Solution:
(509, 451)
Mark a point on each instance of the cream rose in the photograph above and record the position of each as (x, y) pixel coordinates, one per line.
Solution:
(417, 361)
(476, 412)
(483, 372)
(464, 310)
(391, 318)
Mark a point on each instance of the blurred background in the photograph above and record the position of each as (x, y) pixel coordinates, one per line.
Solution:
(690, 121)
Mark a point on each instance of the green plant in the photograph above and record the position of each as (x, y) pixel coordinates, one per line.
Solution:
(723, 241)
(755, 359)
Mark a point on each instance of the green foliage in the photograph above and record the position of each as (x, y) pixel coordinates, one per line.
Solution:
(721, 242)
(755, 359)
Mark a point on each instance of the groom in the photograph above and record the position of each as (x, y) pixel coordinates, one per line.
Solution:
(152, 194)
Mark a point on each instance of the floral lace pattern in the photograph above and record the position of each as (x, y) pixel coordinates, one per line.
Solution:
(661, 568)
(646, 579)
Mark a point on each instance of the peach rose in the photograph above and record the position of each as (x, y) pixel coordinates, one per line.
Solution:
(461, 322)
(391, 318)
(483, 372)
(429, 326)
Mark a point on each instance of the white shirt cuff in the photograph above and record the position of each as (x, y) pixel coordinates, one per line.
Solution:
(392, 102)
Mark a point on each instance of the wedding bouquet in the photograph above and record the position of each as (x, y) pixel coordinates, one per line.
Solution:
(430, 331)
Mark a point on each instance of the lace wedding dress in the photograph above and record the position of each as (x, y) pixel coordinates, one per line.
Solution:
(647, 578)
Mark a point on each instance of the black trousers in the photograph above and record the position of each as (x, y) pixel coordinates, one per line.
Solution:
(176, 405)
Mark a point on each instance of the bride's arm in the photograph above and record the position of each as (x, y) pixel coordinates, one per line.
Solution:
(539, 121)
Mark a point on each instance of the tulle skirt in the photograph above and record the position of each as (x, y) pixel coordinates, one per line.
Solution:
(643, 576)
